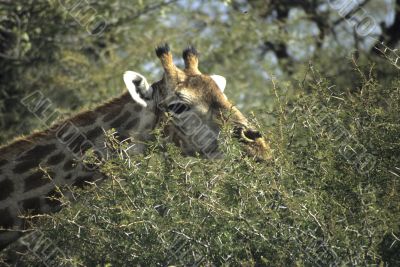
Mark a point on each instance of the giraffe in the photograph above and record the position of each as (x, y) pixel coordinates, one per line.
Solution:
(194, 103)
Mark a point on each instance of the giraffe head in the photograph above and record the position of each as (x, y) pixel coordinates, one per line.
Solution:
(193, 107)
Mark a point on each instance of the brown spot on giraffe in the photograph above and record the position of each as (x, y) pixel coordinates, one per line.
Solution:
(67, 138)
(32, 205)
(132, 124)
(56, 159)
(6, 188)
(112, 115)
(85, 119)
(120, 120)
(76, 144)
(94, 133)
(3, 162)
(38, 152)
(6, 220)
(137, 108)
(61, 132)
(36, 180)
(26, 166)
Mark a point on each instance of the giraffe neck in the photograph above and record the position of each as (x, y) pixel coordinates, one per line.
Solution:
(32, 167)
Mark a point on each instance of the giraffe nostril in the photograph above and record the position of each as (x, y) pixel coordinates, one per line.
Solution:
(251, 134)
(246, 135)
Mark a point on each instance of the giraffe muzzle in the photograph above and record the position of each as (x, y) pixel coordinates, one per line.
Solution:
(247, 135)
(253, 143)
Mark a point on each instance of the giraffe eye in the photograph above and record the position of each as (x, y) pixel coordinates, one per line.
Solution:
(178, 108)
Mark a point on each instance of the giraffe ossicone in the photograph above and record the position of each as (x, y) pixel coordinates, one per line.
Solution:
(195, 101)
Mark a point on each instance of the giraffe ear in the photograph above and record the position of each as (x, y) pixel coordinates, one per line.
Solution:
(138, 87)
(220, 81)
